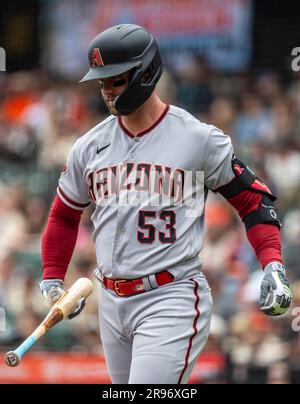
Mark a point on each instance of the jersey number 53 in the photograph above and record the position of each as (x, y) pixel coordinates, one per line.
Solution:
(149, 235)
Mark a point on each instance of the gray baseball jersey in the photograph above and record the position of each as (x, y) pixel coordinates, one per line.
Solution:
(110, 167)
(147, 219)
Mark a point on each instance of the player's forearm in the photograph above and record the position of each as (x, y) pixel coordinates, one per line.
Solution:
(265, 240)
(59, 240)
(264, 237)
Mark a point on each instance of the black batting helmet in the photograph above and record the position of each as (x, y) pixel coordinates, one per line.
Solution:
(122, 48)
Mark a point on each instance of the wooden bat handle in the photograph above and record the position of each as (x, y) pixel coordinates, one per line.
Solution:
(83, 287)
(55, 316)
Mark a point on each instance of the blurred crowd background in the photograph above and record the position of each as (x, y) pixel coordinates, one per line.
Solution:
(42, 113)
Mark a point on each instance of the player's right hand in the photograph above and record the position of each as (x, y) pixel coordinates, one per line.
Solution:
(52, 290)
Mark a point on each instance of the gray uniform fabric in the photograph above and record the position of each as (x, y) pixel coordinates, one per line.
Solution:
(157, 336)
(180, 142)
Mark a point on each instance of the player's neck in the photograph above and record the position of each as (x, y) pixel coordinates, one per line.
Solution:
(145, 116)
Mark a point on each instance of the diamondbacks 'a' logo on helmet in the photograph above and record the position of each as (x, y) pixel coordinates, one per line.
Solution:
(96, 58)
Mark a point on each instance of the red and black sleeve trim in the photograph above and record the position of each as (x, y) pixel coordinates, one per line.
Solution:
(250, 196)
(244, 179)
(70, 201)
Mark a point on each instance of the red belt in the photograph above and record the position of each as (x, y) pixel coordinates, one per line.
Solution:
(125, 287)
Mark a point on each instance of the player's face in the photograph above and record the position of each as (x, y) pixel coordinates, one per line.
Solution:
(111, 88)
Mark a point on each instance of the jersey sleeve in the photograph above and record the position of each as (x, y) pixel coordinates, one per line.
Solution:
(217, 160)
(72, 188)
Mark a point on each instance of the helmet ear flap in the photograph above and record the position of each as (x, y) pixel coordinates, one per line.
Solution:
(129, 100)
(141, 86)
(153, 72)
(134, 74)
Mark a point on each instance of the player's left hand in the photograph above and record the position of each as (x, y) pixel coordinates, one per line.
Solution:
(275, 293)
(78, 309)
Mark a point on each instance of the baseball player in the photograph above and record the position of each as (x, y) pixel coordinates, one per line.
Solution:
(134, 167)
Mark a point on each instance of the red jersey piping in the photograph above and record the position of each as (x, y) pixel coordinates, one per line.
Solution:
(144, 132)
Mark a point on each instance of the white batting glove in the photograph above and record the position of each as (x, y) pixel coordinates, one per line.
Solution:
(53, 289)
(276, 295)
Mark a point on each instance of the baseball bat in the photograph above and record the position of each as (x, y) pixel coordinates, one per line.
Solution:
(64, 306)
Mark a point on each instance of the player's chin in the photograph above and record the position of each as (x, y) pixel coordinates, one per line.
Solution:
(112, 109)
(115, 112)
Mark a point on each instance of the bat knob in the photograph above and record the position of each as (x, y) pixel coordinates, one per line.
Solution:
(12, 359)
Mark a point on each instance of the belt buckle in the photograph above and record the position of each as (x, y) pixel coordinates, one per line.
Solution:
(116, 286)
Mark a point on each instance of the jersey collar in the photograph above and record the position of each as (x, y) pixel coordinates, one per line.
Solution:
(144, 132)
